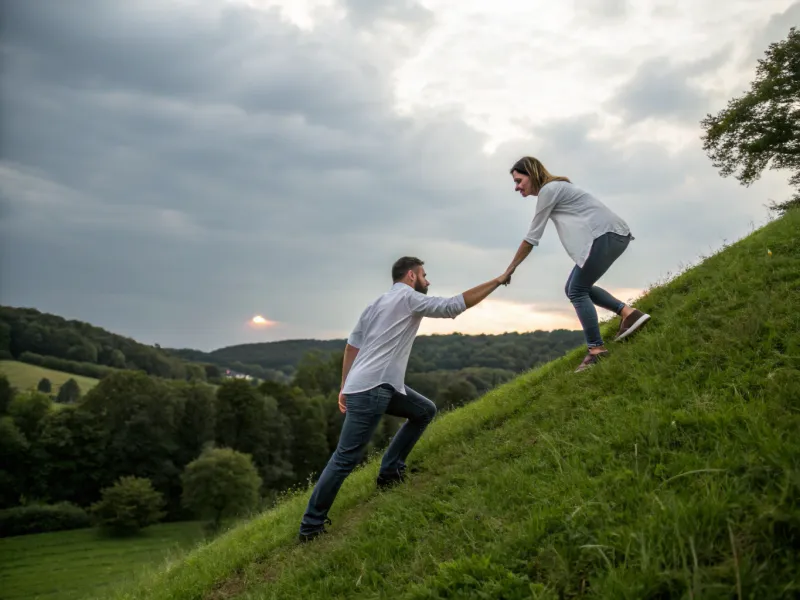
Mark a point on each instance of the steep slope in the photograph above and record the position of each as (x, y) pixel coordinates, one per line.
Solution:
(672, 470)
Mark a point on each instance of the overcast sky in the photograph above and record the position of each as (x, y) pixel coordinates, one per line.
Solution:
(171, 168)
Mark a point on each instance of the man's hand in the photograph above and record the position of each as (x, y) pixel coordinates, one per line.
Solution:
(342, 402)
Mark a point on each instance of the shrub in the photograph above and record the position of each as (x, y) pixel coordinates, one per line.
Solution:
(128, 506)
(69, 392)
(41, 518)
(44, 386)
(220, 483)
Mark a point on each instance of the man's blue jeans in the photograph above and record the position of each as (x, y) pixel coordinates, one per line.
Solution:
(364, 412)
(582, 292)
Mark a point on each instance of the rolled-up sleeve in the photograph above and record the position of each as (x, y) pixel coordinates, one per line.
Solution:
(544, 206)
(436, 307)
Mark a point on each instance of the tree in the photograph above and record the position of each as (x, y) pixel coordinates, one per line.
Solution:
(128, 506)
(44, 385)
(457, 393)
(307, 442)
(69, 392)
(212, 371)
(69, 457)
(140, 414)
(116, 359)
(319, 373)
(251, 423)
(5, 341)
(82, 352)
(219, 484)
(28, 410)
(762, 128)
(197, 421)
(195, 373)
(6, 394)
(13, 458)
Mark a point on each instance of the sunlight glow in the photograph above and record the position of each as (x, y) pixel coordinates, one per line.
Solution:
(260, 321)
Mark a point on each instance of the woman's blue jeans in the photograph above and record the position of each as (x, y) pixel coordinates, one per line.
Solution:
(584, 294)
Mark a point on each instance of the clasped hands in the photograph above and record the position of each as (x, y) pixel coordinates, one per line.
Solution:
(505, 278)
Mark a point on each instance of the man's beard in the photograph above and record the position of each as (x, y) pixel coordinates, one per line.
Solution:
(418, 287)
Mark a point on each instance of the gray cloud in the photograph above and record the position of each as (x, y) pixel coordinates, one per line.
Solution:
(218, 165)
(405, 11)
(776, 29)
(662, 89)
(167, 172)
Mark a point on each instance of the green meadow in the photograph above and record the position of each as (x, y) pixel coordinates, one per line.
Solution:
(69, 565)
(26, 377)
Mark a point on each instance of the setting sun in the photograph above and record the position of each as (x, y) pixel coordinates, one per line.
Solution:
(261, 321)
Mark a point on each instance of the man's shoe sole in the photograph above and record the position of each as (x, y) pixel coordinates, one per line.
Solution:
(633, 328)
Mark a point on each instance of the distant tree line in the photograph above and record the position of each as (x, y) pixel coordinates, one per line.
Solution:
(150, 428)
(513, 352)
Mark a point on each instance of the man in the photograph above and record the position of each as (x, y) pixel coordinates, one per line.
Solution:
(373, 373)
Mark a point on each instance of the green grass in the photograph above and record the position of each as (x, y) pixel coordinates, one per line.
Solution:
(671, 470)
(26, 377)
(73, 564)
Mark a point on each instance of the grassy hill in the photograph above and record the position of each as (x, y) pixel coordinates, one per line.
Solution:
(672, 470)
(26, 377)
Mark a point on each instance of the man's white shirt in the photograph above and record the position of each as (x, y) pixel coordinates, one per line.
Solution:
(385, 333)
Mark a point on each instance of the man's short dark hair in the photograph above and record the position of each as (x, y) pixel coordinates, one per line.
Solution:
(403, 266)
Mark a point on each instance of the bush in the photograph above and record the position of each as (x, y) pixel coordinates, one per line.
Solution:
(44, 386)
(69, 392)
(41, 518)
(220, 483)
(128, 506)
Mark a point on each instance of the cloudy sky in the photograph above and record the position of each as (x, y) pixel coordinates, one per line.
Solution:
(171, 168)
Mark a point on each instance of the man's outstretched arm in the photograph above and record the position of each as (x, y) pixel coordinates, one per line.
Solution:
(480, 292)
(450, 308)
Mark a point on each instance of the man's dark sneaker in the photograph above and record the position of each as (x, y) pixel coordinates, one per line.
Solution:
(390, 478)
(631, 324)
(307, 537)
(591, 360)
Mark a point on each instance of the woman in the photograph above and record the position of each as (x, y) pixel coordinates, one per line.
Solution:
(592, 235)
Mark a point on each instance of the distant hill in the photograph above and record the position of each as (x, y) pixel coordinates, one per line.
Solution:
(72, 346)
(282, 356)
(509, 351)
